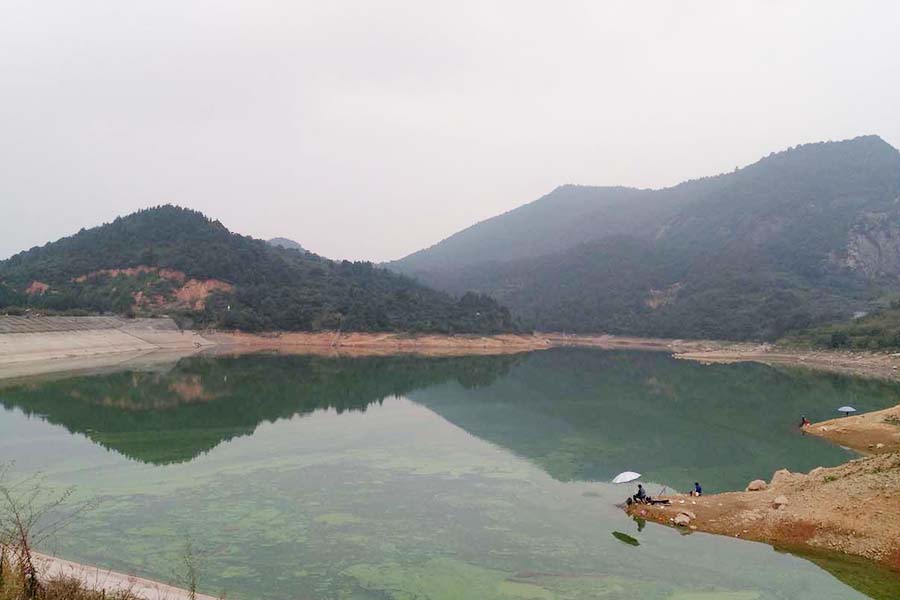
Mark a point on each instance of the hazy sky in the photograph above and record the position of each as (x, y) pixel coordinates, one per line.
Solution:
(371, 129)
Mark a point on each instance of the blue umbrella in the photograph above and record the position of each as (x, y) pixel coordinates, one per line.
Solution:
(847, 410)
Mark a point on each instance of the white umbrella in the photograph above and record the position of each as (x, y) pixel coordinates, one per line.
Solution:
(625, 477)
(847, 410)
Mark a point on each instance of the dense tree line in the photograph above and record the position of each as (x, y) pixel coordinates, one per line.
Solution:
(877, 331)
(274, 287)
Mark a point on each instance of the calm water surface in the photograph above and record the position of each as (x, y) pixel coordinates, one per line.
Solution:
(415, 478)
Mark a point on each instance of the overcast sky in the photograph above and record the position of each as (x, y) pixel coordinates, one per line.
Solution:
(368, 130)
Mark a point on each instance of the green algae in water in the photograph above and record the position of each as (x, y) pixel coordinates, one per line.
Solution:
(337, 519)
(319, 478)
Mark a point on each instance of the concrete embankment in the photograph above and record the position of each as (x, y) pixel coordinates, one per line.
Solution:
(111, 582)
(35, 345)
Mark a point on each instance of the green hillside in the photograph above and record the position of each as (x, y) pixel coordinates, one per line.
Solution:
(879, 330)
(180, 262)
(804, 236)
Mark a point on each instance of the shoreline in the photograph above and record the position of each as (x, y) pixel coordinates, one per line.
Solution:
(109, 581)
(145, 341)
(364, 343)
(864, 364)
(871, 433)
(41, 345)
(848, 509)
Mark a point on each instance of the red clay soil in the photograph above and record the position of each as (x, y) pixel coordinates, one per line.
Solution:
(194, 292)
(191, 294)
(171, 274)
(36, 288)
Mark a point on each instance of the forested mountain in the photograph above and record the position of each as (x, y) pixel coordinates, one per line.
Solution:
(177, 261)
(801, 237)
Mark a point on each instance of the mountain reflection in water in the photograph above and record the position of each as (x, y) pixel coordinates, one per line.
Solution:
(362, 477)
(579, 414)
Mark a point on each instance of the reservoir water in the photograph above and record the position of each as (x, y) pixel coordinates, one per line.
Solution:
(302, 477)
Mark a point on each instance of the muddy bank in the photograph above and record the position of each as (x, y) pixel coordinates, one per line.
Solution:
(852, 509)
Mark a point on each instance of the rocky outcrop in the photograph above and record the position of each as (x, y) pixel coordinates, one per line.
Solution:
(873, 246)
(757, 485)
(659, 298)
(682, 520)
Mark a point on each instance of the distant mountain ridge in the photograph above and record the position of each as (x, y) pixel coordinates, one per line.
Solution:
(171, 260)
(282, 242)
(799, 237)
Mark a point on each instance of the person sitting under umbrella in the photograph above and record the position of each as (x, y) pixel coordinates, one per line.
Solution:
(641, 495)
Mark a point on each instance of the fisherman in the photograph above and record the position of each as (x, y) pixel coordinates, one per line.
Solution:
(804, 422)
(641, 495)
(698, 491)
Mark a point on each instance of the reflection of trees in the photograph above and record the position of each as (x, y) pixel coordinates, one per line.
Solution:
(586, 415)
(577, 414)
(175, 416)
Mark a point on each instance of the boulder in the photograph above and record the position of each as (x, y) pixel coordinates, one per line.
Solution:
(879, 445)
(757, 485)
(682, 520)
(780, 501)
(689, 514)
(781, 476)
